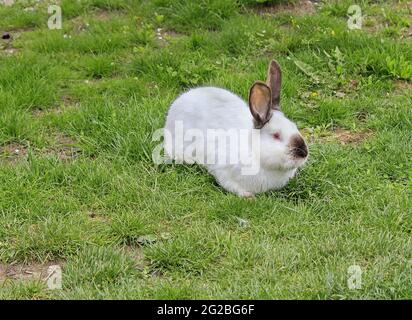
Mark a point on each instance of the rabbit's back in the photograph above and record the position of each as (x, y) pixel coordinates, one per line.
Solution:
(209, 108)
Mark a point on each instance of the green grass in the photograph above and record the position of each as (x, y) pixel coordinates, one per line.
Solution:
(122, 227)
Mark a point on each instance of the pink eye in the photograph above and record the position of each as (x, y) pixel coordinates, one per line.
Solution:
(276, 136)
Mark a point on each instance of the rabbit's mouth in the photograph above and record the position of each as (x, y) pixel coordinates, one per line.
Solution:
(296, 159)
(289, 164)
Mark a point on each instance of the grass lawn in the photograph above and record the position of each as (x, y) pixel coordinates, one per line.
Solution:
(78, 187)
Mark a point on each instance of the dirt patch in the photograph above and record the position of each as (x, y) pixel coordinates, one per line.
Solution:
(26, 272)
(400, 86)
(373, 24)
(136, 253)
(342, 136)
(6, 44)
(409, 31)
(347, 136)
(97, 217)
(141, 263)
(13, 152)
(67, 103)
(102, 15)
(10, 51)
(65, 148)
(301, 7)
(79, 25)
(106, 15)
(64, 140)
(164, 36)
(8, 37)
(16, 32)
(378, 22)
(38, 113)
(169, 33)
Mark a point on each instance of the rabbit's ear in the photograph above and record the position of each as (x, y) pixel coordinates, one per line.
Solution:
(260, 103)
(274, 81)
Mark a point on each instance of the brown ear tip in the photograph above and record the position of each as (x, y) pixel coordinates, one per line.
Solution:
(258, 83)
(261, 85)
(274, 64)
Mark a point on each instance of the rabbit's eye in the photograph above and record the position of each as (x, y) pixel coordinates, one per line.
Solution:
(276, 136)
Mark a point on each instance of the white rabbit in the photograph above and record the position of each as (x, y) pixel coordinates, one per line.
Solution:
(279, 151)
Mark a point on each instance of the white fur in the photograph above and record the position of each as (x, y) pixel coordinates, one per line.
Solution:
(215, 108)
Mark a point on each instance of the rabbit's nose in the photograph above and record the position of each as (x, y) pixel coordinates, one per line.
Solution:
(298, 147)
(301, 152)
